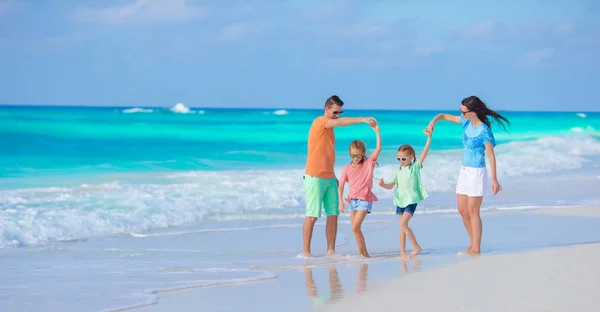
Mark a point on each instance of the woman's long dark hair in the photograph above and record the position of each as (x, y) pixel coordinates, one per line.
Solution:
(476, 105)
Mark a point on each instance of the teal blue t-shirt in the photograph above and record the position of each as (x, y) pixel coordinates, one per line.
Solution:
(474, 140)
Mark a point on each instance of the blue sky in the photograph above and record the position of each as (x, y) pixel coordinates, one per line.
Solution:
(402, 54)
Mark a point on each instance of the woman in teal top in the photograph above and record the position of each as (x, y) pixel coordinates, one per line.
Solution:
(478, 140)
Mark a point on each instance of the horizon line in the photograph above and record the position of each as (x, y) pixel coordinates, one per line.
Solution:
(274, 108)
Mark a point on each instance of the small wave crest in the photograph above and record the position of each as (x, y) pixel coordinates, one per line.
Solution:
(180, 108)
(280, 112)
(581, 115)
(137, 110)
(581, 129)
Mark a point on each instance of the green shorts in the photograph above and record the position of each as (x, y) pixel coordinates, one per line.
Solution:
(319, 193)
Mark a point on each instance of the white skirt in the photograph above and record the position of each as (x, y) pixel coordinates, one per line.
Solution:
(471, 181)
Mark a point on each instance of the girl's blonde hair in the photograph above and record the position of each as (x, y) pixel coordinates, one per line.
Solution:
(409, 149)
(359, 145)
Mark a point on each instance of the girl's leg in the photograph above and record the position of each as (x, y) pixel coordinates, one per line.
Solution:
(357, 221)
(403, 255)
(474, 206)
(406, 229)
(464, 213)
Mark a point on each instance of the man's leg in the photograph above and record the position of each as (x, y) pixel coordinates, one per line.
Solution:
(313, 193)
(330, 203)
(307, 231)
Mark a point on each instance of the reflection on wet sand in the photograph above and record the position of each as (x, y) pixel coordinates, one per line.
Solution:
(335, 287)
(416, 263)
(336, 291)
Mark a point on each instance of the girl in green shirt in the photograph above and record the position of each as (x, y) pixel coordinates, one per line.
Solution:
(409, 191)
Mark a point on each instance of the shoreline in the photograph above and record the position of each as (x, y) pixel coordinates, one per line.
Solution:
(514, 272)
(557, 278)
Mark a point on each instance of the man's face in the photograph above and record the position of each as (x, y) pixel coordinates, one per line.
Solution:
(333, 112)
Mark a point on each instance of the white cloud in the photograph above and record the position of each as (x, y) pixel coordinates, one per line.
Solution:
(322, 11)
(481, 30)
(429, 50)
(142, 11)
(368, 62)
(564, 28)
(533, 58)
(5, 5)
(355, 30)
(236, 32)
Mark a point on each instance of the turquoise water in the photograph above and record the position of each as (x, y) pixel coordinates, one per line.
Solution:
(76, 172)
(40, 141)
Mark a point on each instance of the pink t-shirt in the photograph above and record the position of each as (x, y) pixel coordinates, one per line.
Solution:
(360, 180)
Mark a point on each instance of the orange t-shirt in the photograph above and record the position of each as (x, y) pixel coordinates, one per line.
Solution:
(321, 153)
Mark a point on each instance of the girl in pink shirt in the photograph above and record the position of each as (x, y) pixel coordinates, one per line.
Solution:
(359, 175)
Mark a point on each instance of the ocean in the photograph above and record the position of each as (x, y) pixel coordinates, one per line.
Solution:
(151, 199)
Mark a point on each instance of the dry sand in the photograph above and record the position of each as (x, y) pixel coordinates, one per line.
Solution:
(563, 278)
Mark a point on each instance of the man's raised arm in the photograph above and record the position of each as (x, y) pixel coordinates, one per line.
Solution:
(347, 121)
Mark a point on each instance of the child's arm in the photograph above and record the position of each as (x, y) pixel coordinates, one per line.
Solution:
(387, 186)
(377, 150)
(342, 182)
(426, 149)
(341, 205)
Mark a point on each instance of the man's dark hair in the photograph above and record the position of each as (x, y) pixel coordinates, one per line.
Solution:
(334, 100)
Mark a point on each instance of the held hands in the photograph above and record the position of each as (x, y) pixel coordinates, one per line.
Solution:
(496, 188)
(371, 121)
(342, 204)
(381, 183)
(428, 132)
(429, 128)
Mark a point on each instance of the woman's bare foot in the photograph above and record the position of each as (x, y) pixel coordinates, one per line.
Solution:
(415, 251)
(330, 253)
(466, 251)
(404, 256)
(473, 252)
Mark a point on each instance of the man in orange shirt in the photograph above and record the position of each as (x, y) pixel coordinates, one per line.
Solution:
(320, 183)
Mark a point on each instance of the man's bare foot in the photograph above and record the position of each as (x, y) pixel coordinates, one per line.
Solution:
(415, 251)
(330, 253)
(404, 256)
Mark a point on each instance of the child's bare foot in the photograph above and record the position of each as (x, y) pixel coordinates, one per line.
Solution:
(416, 251)
(364, 255)
(404, 256)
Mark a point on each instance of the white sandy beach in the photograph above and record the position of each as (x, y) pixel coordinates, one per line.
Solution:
(554, 279)
(560, 275)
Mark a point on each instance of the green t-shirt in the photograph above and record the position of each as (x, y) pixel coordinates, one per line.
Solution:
(409, 189)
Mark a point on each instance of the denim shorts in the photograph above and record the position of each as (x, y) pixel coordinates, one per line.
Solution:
(410, 209)
(359, 204)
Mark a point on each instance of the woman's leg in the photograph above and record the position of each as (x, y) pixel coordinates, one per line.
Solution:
(462, 201)
(357, 221)
(474, 206)
(411, 236)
